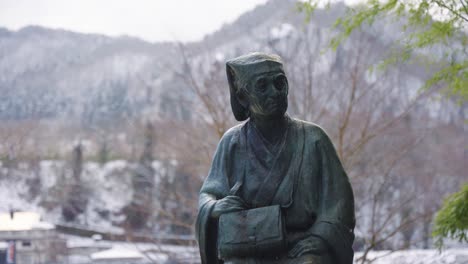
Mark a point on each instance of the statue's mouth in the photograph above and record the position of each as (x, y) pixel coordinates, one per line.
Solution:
(277, 103)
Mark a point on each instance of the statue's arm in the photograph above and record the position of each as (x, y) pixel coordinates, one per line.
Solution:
(215, 189)
(217, 207)
(335, 216)
(332, 229)
(336, 195)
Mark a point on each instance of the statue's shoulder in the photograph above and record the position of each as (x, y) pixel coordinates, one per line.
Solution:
(234, 131)
(232, 134)
(312, 131)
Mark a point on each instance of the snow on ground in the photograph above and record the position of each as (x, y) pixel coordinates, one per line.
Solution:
(83, 242)
(190, 254)
(418, 256)
(144, 252)
(185, 254)
(117, 253)
(128, 253)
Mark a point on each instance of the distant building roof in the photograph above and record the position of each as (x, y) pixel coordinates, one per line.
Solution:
(117, 253)
(3, 245)
(22, 221)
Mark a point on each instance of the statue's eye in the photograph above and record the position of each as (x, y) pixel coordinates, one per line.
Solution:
(281, 82)
(261, 84)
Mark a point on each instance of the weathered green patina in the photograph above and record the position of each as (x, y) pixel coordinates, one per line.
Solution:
(273, 160)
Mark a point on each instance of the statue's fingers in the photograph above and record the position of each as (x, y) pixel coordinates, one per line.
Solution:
(292, 253)
(238, 200)
(231, 198)
(235, 208)
(295, 251)
(304, 247)
(295, 254)
(231, 203)
(307, 249)
(239, 203)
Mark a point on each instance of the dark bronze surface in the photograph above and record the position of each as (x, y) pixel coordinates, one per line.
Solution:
(273, 159)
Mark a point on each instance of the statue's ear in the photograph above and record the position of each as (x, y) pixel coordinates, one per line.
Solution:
(239, 107)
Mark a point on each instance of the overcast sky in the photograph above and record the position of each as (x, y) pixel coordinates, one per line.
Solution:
(152, 20)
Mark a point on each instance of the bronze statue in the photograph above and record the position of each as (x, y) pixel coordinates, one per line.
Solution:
(276, 191)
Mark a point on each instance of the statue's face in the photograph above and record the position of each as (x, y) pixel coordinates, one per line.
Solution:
(268, 95)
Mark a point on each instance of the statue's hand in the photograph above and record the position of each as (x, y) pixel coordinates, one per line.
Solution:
(313, 245)
(228, 204)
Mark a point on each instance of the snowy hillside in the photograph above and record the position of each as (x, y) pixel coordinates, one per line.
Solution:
(38, 190)
(60, 73)
(451, 256)
(49, 74)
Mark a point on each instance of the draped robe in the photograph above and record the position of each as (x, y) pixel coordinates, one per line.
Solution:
(302, 174)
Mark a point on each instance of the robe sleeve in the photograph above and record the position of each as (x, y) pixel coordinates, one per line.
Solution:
(335, 216)
(215, 186)
(206, 230)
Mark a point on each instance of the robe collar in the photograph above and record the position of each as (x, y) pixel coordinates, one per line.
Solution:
(270, 166)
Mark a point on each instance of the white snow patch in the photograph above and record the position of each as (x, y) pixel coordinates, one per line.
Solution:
(281, 31)
(86, 242)
(220, 57)
(42, 225)
(49, 170)
(117, 252)
(417, 256)
(22, 221)
(96, 237)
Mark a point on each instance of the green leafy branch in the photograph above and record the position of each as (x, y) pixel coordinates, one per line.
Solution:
(452, 219)
(425, 24)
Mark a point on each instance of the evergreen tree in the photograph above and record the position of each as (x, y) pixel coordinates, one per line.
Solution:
(139, 211)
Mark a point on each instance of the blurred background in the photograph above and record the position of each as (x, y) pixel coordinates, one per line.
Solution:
(110, 112)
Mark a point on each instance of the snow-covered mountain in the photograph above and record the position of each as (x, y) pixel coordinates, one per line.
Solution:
(50, 73)
(47, 73)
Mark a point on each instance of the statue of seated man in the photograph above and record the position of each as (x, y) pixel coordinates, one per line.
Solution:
(276, 191)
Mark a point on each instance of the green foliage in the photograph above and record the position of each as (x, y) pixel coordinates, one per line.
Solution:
(425, 24)
(452, 219)
(308, 7)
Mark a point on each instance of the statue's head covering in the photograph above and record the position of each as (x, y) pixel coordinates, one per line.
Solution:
(242, 69)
